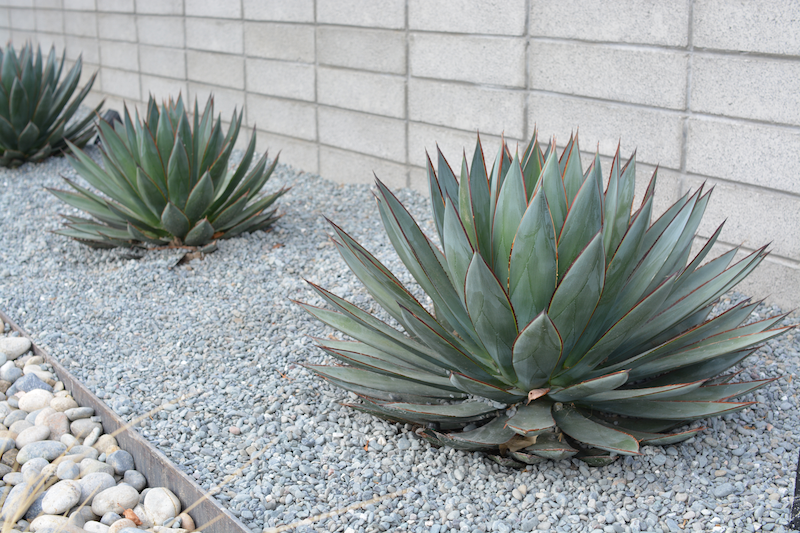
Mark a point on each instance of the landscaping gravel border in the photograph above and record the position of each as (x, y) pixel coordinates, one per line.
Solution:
(223, 332)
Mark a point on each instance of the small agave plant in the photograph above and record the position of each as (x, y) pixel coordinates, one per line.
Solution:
(35, 111)
(564, 321)
(168, 182)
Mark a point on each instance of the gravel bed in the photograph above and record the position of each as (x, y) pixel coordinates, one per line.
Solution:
(222, 335)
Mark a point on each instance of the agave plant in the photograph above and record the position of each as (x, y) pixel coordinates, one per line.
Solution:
(35, 112)
(563, 321)
(169, 182)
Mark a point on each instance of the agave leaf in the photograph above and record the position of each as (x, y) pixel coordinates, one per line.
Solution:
(383, 387)
(480, 202)
(532, 419)
(223, 193)
(532, 166)
(19, 106)
(150, 159)
(536, 352)
(457, 248)
(178, 173)
(200, 198)
(140, 235)
(589, 387)
(489, 436)
(644, 392)
(116, 148)
(200, 234)
(84, 203)
(582, 428)
(554, 191)
(464, 411)
(572, 175)
(491, 312)
(716, 393)
(153, 196)
(534, 261)
(551, 446)
(578, 293)
(703, 370)
(673, 410)
(28, 137)
(174, 221)
(583, 222)
(508, 213)
(485, 390)
(220, 164)
(43, 107)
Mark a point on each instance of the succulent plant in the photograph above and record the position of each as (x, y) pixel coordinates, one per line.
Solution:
(168, 182)
(35, 111)
(563, 322)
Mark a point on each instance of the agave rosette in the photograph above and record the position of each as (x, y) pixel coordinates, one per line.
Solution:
(564, 322)
(168, 182)
(35, 109)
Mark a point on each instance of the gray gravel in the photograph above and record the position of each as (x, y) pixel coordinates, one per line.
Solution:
(222, 334)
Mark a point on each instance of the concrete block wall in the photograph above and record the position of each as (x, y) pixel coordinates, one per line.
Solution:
(705, 89)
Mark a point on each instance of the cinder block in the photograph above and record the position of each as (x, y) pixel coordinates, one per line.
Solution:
(225, 100)
(22, 19)
(379, 50)
(468, 16)
(749, 153)
(168, 62)
(48, 4)
(477, 59)
(18, 3)
(161, 31)
(121, 83)
(159, 7)
(279, 10)
(50, 40)
(117, 27)
(22, 36)
(291, 42)
(753, 217)
(163, 88)
(656, 135)
(5, 35)
(49, 21)
(81, 46)
(366, 134)
(80, 5)
(492, 111)
(213, 9)
(302, 155)
(80, 23)
(215, 69)
(349, 167)
(285, 117)
(632, 21)
(369, 13)
(116, 6)
(214, 35)
(610, 73)
(754, 88)
(4, 18)
(380, 94)
(281, 78)
(117, 55)
(772, 28)
(87, 72)
(424, 138)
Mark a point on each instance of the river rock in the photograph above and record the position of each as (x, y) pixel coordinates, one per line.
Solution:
(110, 518)
(14, 416)
(83, 427)
(161, 504)
(141, 514)
(46, 522)
(27, 384)
(6, 444)
(41, 416)
(63, 404)
(47, 449)
(121, 461)
(121, 524)
(90, 466)
(18, 501)
(115, 499)
(81, 452)
(32, 434)
(19, 426)
(13, 478)
(58, 424)
(68, 470)
(61, 497)
(135, 479)
(79, 412)
(95, 527)
(106, 444)
(187, 522)
(13, 347)
(35, 399)
(93, 484)
(35, 509)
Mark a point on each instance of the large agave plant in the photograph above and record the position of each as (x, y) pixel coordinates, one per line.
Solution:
(169, 182)
(563, 321)
(35, 112)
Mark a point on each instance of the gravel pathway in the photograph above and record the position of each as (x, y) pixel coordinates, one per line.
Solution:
(222, 334)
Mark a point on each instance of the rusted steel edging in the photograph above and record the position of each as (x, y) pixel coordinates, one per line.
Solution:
(154, 465)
